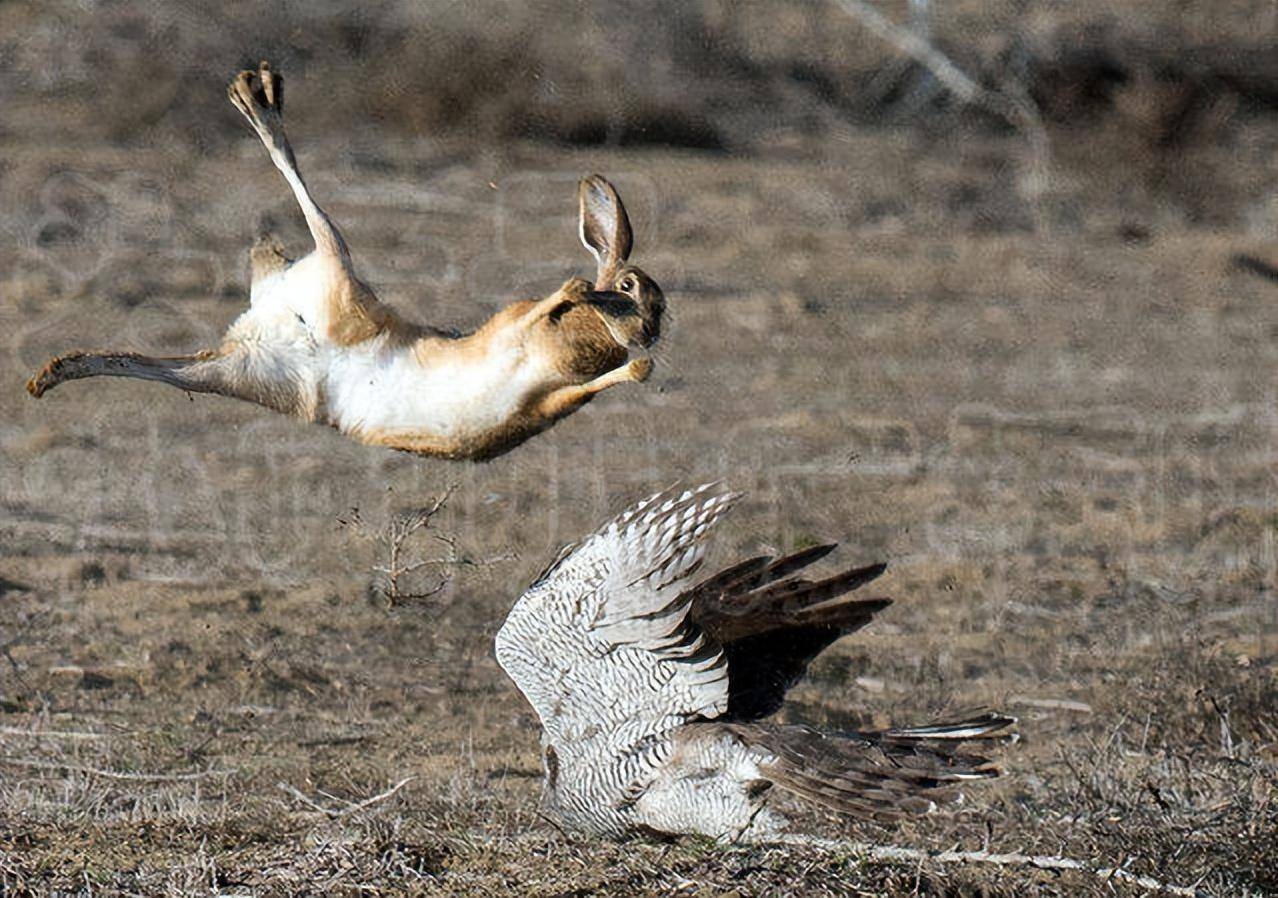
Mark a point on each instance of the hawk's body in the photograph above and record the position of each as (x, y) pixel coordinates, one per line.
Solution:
(649, 691)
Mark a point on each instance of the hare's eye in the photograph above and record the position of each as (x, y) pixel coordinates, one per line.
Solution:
(628, 283)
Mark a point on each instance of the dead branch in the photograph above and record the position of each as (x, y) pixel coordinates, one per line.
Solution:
(1017, 109)
(1255, 265)
(50, 734)
(337, 813)
(334, 740)
(115, 774)
(381, 796)
(1051, 704)
(298, 794)
(895, 853)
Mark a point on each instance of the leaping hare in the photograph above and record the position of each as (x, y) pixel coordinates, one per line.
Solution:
(317, 344)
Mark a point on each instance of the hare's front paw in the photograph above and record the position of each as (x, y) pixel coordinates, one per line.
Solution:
(639, 369)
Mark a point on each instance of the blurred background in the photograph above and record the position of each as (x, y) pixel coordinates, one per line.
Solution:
(983, 289)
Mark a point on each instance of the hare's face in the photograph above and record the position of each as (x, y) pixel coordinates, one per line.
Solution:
(630, 302)
(648, 299)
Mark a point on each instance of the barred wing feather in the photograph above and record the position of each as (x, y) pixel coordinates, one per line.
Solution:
(602, 645)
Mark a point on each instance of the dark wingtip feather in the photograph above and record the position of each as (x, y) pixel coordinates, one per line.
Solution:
(771, 625)
(788, 564)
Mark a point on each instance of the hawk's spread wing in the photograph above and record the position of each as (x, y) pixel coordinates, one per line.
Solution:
(601, 644)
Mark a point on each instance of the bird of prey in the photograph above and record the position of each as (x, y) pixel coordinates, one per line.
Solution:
(652, 691)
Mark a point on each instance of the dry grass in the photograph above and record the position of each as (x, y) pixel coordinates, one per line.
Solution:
(1052, 412)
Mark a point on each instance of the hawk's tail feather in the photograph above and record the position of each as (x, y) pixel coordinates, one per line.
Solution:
(879, 774)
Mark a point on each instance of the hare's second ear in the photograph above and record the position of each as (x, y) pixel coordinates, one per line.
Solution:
(605, 229)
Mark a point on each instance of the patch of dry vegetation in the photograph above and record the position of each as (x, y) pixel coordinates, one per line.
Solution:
(709, 75)
(333, 747)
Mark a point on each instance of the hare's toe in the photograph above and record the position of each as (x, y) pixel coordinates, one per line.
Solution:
(272, 86)
(240, 92)
(34, 385)
(259, 96)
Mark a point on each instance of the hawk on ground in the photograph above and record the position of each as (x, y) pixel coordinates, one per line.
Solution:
(652, 690)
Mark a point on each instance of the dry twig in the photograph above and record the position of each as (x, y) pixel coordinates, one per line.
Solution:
(1017, 110)
(335, 813)
(1050, 704)
(895, 853)
(115, 774)
(50, 734)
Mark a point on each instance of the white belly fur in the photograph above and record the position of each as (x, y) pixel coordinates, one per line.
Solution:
(373, 385)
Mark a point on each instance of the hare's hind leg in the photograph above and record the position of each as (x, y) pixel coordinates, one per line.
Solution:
(198, 373)
(565, 400)
(260, 97)
(232, 371)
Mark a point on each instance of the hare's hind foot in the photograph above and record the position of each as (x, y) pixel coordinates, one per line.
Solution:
(53, 373)
(259, 96)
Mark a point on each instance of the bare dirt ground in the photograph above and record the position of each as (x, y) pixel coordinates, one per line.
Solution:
(1051, 410)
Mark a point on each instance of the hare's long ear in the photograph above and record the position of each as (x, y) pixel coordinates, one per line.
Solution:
(605, 229)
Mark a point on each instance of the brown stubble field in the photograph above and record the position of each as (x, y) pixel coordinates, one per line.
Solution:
(1049, 406)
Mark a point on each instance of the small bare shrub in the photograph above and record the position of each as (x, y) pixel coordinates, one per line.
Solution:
(401, 575)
